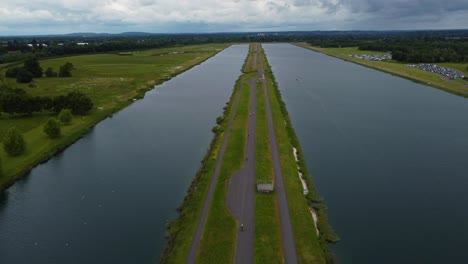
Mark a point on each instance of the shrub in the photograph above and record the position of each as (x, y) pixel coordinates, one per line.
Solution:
(65, 116)
(14, 143)
(50, 72)
(52, 128)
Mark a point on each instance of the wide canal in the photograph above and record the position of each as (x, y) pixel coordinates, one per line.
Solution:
(389, 157)
(108, 197)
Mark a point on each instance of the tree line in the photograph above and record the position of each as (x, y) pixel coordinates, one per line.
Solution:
(405, 48)
(17, 101)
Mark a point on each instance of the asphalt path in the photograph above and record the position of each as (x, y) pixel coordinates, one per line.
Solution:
(209, 196)
(287, 235)
(240, 198)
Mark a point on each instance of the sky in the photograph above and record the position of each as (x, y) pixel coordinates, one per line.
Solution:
(23, 17)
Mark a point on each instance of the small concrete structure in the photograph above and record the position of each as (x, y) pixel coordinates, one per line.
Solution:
(265, 187)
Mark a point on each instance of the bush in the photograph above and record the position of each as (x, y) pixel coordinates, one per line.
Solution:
(65, 116)
(52, 128)
(50, 72)
(14, 143)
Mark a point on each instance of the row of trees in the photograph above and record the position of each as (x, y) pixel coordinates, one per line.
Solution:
(17, 101)
(32, 69)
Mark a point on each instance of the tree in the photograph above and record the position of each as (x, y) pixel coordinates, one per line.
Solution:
(31, 64)
(65, 70)
(14, 143)
(78, 102)
(65, 116)
(52, 128)
(50, 72)
(24, 76)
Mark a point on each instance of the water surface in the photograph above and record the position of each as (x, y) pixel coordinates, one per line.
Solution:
(108, 197)
(389, 156)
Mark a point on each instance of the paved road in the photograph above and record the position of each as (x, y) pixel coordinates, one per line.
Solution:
(201, 223)
(240, 198)
(287, 235)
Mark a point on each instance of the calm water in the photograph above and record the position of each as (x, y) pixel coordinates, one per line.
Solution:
(389, 156)
(107, 198)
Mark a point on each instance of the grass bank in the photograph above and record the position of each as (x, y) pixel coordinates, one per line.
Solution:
(110, 80)
(458, 87)
(310, 247)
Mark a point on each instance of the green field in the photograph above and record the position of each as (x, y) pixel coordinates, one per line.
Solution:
(459, 87)
(112, 81)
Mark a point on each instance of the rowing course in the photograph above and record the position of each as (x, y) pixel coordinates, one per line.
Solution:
(387, 155)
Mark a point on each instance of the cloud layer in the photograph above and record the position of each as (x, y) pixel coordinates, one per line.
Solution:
(64, 16)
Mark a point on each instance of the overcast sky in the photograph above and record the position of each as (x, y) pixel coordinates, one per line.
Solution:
(19, 17)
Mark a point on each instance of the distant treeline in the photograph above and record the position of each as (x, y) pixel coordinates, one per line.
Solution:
(410, 46)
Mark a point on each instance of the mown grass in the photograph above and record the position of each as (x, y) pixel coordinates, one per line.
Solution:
(309, 247)
(268, 247)
(111, 80)
(458, 87)
(219, 235)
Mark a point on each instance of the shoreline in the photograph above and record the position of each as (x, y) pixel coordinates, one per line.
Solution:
(327, 234)
(75, 136)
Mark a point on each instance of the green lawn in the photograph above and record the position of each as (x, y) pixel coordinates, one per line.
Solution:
(111, 80)
(459, 87)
